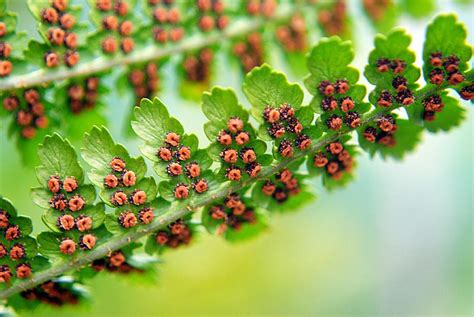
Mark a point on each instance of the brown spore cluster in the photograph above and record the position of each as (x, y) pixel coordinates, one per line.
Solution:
(400, 91)
(167, 19)
(145, 81)
(185, 172)
(236, 155)
(376, 8)
(83, 95)
(232, 213)
(383, 132)
(333, 18)
(13, 253)
(283, 125)
(293, 36)
(174, 235)
(211, 15)
(53, 293)
(250, 51)
(444, 69)
(118, 26)
(60, 35)
(334, 159)
(282, 186)
(336, 101)
(197, 67)
(67, 200)
(121, 181)
(6, 65)
(29, 110)
(116, 262)
(265, 8)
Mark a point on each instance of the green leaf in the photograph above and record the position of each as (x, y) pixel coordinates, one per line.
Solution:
(221, 104)
(447, 36)
(57, 157)
(10, 20)
(452, 115)
(166, 190)
(153, 122)
(39, 263)
(264, 87)
(7, 206)
(49, 244)
(329, 60)
(25, 224)
(32, 54)
(18, 43)
(387, 17)
(305, 115)
(393, 46)
(36, 6)
(112, 224)
(99, 150)
(31, 248)
(41, 197)
(419, 8)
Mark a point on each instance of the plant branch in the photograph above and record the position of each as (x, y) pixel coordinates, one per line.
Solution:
(172, 215)
(177, 211)
(103, 63)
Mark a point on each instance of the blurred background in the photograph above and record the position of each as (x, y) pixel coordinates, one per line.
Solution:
(398, 241)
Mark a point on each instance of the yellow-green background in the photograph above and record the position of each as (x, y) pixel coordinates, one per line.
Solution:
(398, 241)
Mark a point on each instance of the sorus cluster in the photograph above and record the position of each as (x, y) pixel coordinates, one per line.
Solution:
(118, 27)
(83, 95)
(281, 186)
(335, 100)
(232, 213)
(377, 8)
(167, 18)
(212, 15)
(68, 201)
(383, 132)
(185, 172)
(115, 262)
(283, 125)
(29, 111)
(53, 293)
(293, 35)
(250, 51)
(445, 68)
(467, 92)
(401, 92)
(265, 8)
(198, 66)
(236, 153)
(174, 235)
(333, 19)
(335, 159)
(6, 65)
(60, 34)
(431, 105)
(122, 181)
(145, 81)
(13, 260)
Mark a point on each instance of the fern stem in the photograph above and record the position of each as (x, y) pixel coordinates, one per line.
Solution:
(103, 63)
(172, 215)
(178, 211)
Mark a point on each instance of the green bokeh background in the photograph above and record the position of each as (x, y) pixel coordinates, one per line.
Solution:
(398, 241)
